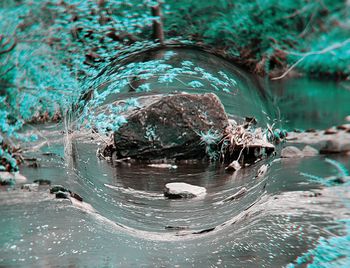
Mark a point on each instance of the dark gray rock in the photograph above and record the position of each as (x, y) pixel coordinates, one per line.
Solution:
(58, 188)
(62, 195)
(176, 190)
(170, 126)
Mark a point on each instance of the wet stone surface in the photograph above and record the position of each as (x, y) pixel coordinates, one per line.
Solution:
(170, 127)
(178, 190)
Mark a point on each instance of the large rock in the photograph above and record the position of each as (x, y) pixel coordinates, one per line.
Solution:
(170, 126)
(175, 190)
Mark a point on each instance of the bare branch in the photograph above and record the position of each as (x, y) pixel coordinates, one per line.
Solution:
(10, 48)
(158, 31)
(305, 55)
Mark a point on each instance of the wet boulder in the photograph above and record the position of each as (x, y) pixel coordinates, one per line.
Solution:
(170, 127)
(176, 190)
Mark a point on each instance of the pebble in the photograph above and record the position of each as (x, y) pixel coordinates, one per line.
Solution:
(291, 152)
(309, 151)
(234, 166)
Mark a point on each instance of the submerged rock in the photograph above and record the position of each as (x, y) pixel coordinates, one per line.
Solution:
(170, 127)
(175, 190)
(291, 152)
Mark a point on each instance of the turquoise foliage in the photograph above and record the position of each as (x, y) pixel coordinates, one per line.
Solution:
(7, 158)
(342, 173)
(211, 139)
(269, 33)
(57, 46)
(103, 111)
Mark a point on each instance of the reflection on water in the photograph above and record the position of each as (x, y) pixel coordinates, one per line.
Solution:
(278, 219)
(306, 103)
(131, 224)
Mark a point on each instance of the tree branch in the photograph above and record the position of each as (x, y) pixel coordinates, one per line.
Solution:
(158, 31)
(305, 55)
(8, 49)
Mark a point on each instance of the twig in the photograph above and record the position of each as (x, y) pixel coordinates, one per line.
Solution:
(323, 51)
(10, 48)
(158, 31)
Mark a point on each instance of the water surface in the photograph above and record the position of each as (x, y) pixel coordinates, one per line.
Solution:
(129, 223)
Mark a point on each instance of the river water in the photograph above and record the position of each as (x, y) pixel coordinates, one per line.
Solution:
(125, 221)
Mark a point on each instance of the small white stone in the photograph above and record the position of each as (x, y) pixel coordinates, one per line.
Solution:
(234, 166)
(169, 166)
(262, 171)
(183, 190)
